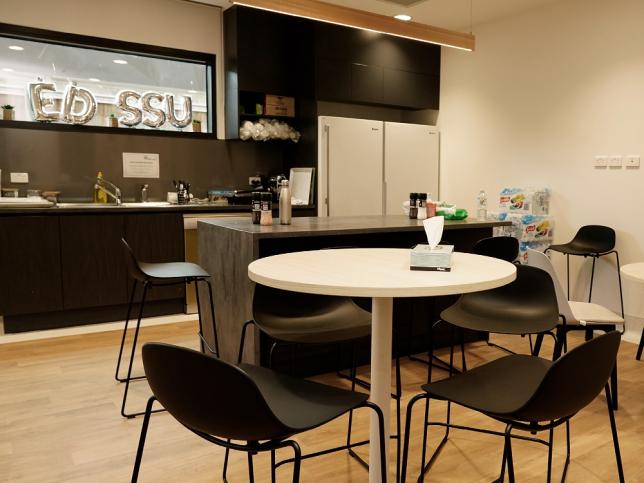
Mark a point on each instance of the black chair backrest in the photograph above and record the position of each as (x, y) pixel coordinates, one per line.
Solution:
(573, 380)
(209, 395)
(281, 309)
(132, 263)
(597, 238)
(502, 247)
(530, 297)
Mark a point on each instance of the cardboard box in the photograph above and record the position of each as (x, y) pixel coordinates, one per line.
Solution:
(279, 106)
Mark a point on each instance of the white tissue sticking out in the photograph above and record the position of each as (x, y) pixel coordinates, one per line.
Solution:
(434, 230)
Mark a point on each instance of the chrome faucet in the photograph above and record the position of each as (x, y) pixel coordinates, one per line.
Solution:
(115, 195)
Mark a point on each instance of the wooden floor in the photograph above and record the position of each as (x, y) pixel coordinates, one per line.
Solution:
(59, 421)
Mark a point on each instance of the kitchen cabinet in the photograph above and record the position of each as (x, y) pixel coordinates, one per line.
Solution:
(30, 261)
(157, 238)
(94, 273)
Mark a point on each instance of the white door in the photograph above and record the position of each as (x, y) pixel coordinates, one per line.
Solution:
(411, 163)
(350, 167)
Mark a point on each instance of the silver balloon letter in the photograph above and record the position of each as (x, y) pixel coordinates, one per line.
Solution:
(132, 115)
(73, 94)
(40, 104)
(187, 111)
(157, 117)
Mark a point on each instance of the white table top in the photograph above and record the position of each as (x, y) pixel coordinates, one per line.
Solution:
(377, 272)
(634, 271)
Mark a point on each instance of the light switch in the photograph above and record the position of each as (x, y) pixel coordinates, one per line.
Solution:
(20, 177)
(601, 161)
(632, 161)
(615, 161)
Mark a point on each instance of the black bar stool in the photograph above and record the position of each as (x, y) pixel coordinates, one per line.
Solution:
(591, 241)
(151, 275)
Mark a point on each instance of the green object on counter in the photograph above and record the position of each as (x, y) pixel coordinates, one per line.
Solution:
(459, 214)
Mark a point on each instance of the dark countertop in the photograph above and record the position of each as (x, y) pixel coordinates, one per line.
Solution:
(110, 208)
(312, 226)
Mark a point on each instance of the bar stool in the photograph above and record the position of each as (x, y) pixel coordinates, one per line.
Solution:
(591, 241)
(151, 275)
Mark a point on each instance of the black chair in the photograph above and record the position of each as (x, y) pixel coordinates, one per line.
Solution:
(501, 247)
(591, 241)
(299, 318)
(528, 305)
(526, 393)
(151, 275)
(641, 346)
(258, 407)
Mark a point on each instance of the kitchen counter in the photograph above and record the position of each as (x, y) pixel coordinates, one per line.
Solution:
(228, 246)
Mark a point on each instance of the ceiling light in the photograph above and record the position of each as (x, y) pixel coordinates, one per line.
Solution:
(120, 61)
(7, 69)
(403, 16)
(361, 19)
(192, 91)
(16, 47)
(94, 79)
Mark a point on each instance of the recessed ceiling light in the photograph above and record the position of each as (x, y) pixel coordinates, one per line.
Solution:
(7, 69)
(94, 79)
(192, 91)
(403, 16)
(16, 47)
(120, 61)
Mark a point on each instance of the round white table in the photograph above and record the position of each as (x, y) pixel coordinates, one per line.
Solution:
(382, 274)
(635, 272)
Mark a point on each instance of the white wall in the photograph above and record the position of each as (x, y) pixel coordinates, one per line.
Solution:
(167, 23)
(544, 92)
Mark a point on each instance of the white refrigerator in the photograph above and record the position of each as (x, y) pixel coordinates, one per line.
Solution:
(369, 167)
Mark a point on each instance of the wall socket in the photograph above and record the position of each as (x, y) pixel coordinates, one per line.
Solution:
(19, 177)
(601, 161)
(615, 161)
(632, 161)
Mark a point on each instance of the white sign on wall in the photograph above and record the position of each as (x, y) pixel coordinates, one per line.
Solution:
(140, 165)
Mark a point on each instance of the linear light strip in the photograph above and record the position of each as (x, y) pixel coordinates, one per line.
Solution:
(349, 17)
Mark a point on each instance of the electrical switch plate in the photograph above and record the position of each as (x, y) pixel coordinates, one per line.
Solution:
(601, 161)
(20, 177)
(615, 161)
(632, 161)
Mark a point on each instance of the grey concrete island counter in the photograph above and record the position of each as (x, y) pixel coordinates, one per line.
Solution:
(228, 246)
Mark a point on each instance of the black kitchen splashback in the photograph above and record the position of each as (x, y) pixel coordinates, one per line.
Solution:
(69, 161)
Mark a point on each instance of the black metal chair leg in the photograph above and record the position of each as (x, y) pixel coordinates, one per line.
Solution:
(550, 442)
(353, 388)
(296, 461)
(127, 321)
(251, 473)
(463, 359)
(641, 346)
(592, 279)
(144, 433)
(619, 280)
(202, 344)
(405, 455)
(613, 387)
(398, 416)
(568, 275)
(270, 355)
(224, 471)
(273, 476)
(242, 340)
(567, 462)
(508, 459)
(613, 428)
(212, 315)
(381, 440)
(537, 345)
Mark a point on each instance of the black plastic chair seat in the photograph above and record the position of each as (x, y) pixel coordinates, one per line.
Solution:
(300, 404)
(527, 305)
(501, 247)
(172, 270)
(500, 387)
(589, 240)
(309, 318)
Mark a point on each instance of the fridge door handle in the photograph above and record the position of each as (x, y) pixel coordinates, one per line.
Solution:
(327, 131)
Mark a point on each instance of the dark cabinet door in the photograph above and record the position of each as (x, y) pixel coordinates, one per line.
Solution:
(333, 80)
(367, 83)
(157, 238)
(410, 89)
(94, 273)
(30, 261)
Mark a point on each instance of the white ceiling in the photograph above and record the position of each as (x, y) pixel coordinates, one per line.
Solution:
(449, 14)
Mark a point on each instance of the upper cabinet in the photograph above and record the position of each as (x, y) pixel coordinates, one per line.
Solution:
(269, 53)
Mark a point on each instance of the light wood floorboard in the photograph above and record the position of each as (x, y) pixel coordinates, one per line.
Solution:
(60, 422)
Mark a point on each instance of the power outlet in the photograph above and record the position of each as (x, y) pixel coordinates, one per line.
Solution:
(632, 161)
(601, 161)
(19, 177)
(615, 161)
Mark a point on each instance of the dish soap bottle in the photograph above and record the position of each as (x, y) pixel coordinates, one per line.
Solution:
(481, 206)
(99, 195)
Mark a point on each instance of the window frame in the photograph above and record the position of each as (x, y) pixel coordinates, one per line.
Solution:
(122, 47)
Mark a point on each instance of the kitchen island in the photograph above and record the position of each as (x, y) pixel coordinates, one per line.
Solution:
(228, 246)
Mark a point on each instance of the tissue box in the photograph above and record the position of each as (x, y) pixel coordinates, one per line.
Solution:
(437, 260)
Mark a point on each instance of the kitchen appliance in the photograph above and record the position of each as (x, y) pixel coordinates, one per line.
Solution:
(369, 167)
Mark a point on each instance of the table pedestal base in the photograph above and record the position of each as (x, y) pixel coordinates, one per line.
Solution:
(381, 338)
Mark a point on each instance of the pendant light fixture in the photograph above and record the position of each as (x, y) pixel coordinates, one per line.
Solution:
(361, 19)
